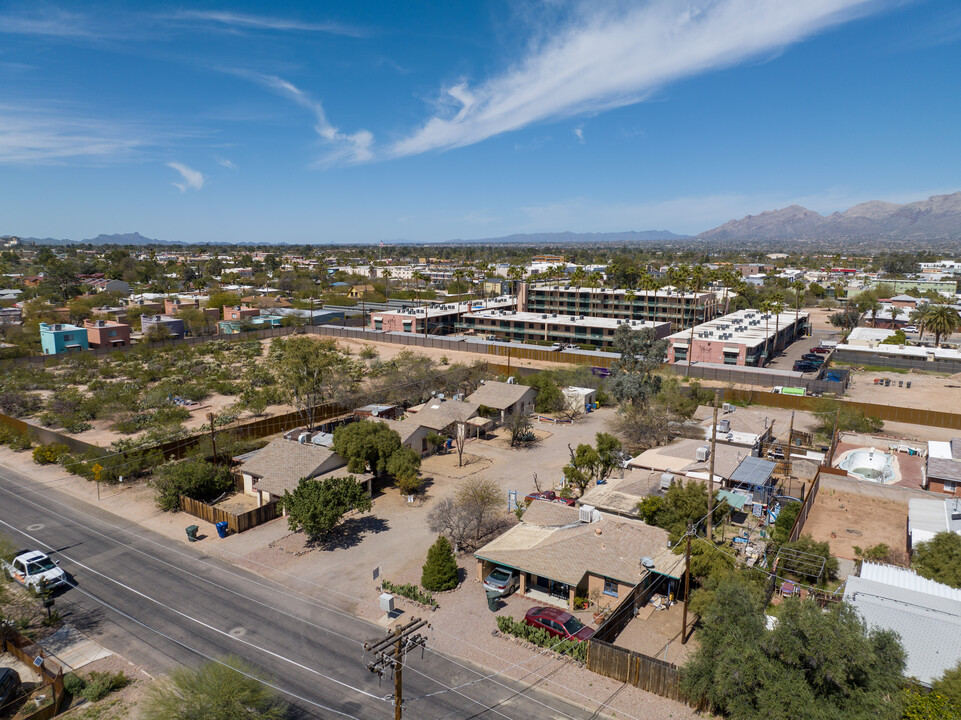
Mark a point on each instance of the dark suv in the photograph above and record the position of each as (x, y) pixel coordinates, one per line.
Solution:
(9, 688)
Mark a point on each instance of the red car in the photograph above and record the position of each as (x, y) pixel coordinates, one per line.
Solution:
(821, 350)
(558, 623)
(549, 496)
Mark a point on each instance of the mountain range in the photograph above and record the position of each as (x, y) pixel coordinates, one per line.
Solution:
(936, 219)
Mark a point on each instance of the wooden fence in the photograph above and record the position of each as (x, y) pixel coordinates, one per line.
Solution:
(647, 673)
(235, 523)
(806, 507)
(51, 674)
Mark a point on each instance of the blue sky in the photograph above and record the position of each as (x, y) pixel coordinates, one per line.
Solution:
(428, 121)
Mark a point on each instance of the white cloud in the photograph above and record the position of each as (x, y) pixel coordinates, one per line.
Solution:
(612, 58)
(579, 134)
(227, 163)
(259, 22)
(48, 133)
(346, 147)
(192, 179)
(48, 21)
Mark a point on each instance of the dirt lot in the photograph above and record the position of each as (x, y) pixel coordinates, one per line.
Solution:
(927, 391)
(846, 520)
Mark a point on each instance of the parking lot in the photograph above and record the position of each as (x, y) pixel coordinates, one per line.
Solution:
(793, 353)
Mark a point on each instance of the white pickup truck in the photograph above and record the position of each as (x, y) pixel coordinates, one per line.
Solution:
(33, 568)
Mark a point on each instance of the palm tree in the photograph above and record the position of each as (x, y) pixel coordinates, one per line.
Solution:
(765, 307)
(629, 297)
(917, 318)
(777, 307)
(698, 278)
(798, 287)
(593, 282)
(894, 311)
(648, 284)
(941, 320)
(875, 307)
(677, 278)
(388, 274)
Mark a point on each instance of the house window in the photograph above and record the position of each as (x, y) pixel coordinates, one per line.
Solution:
(680, 354)
(407, 327)
(950, 486)
(378, 324)
(112, 333)
(610, 587)
(68, 337)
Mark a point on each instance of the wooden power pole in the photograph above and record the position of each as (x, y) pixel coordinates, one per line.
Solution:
(710, 477)
(213, 437)
(790, 441)
(687, 586)
(390, 652)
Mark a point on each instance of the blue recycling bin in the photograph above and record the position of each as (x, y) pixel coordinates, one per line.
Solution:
(450, 443)
(222, 528)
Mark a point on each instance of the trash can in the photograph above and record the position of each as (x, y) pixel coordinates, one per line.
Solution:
(450, 443)
(222, 528)
(192, 531)
(492, 596)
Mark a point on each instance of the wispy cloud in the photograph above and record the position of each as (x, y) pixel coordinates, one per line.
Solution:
(241, 21)
(579, 134)
(225, 162)
(603, 59)
(50, 134)
(47, 21)
(343, 147)
(192, 179)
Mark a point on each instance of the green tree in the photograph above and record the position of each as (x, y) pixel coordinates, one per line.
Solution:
(803, 567)
(225, 690)
(942, 320)
(404, 466)
(785, 522)
(440, 571)
(316, 506)
(940, 559)
(373, 444)
(949, 687)
(589, 464)
(633, 379)
(311, 372)
(814, 664)
(194, 478)
(681, 505)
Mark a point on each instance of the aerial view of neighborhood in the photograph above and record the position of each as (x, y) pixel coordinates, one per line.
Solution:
(402, 406)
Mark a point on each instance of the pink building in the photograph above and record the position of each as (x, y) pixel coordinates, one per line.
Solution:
(746, 337)
(240, 312)
(107, 333)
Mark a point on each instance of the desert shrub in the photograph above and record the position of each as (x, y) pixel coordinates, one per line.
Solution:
(97, 685)
(50, 454)
(74, 684)
(411, 592)
(18, 404)
(195, 478)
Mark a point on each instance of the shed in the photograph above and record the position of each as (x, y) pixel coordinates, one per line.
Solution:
(755, 475)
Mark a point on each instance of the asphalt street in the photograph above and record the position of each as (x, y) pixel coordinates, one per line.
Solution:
(160, 604)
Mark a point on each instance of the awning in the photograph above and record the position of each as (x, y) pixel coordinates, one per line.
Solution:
(735, 500)
(734, 350)
(683, 345)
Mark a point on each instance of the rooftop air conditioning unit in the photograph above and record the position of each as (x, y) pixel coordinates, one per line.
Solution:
(303, 437)
(726, 407)
(724, 426)
(666, 480)
(585, 513)
(702, 453)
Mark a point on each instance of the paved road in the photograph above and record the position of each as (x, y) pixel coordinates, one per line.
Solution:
(161, 604)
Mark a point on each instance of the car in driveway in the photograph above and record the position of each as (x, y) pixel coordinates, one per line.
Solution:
(503, 581)
(821, 350)
(549, 496)
(558, 623)
(10, 687)
(806, 367)
(812, 358)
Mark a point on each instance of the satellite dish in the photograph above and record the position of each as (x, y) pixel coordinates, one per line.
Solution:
(647, 562)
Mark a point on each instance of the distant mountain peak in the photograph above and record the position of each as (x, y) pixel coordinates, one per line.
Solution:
(938, 217)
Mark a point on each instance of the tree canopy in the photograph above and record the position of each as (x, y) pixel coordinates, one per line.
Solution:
(373, 444)
(311, 372)
(592, 464)
(814, 664)
(316, 506)
(633, 377)
(940, 559)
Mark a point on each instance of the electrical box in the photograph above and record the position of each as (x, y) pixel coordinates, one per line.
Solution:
(387, 603)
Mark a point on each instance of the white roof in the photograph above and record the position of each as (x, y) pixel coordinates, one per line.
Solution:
(939, 449)
(749, 328)
(567, 319)
(907, 579)
(866, 334)
(927, 516)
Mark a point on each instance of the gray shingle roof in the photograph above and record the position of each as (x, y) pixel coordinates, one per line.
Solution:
(567, 553)
(283, 463)
(438, 415)
(499, 395)
(944, 469)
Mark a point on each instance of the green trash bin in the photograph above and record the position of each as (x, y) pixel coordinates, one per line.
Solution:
(492, 596)
(192, 531)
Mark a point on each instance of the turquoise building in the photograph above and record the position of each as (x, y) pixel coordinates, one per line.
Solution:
(56, 338)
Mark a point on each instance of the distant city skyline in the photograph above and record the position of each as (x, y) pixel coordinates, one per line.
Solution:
(361, 122)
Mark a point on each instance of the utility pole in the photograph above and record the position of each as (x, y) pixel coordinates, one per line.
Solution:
(710, 478)
(834, 435)
(790, 441)
(687, 586)
(390, 652)
(213, 438)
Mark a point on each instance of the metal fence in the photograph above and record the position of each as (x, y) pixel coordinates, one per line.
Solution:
(761, 377)
(46, 436)
(871, 358)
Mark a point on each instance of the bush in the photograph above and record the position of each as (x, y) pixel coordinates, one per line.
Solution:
(74, 684)
(194, 478)
(18, 404)
(50, 454)
(97, 685)
(540, 637)
(440, 571)
(19, 441)
(411, 592)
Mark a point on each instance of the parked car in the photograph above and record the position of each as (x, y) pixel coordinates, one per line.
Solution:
(821, 350)
(811, 357)
(10, 687)
(806, 367)
(503, 581)
(32, 568)
(910, 328)
(549, 496)
(558, 623)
